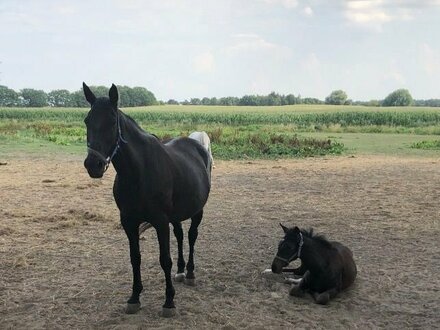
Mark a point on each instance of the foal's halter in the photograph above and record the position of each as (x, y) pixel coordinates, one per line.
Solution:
(108, 159)
(295, 255)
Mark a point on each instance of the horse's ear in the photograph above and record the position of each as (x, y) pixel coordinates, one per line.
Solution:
(113, 95)
(296, 230)
(90, 97)
(285, 229)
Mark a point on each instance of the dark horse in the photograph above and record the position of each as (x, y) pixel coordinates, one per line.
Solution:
(327, 267)
(159, 183)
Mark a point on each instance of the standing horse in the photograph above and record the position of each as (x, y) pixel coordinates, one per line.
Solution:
(155, 183)
(327, 266)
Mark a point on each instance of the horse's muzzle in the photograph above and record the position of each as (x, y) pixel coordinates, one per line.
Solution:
(277, 266)
(95, 166)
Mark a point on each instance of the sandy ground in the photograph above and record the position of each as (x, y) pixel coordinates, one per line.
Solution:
(64, 259)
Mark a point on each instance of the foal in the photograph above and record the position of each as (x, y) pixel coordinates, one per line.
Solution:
(327, 266)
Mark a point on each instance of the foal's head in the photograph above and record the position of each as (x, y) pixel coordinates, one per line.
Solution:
(289, 248)
(103, 137)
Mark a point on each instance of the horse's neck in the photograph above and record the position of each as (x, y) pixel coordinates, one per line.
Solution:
(127, 159)
(313, 255)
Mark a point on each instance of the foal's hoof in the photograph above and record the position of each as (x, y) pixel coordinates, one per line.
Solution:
(322, 298)
(168, 312)
(132, 308)
(296, 291)
(179, 277)
(190, 281)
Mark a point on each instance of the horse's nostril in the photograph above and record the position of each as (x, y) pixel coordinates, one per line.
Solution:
(100, 163)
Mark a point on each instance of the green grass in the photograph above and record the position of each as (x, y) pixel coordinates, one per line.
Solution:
(242, 132)
(427, 145)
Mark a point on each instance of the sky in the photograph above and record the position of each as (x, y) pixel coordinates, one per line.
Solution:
(195, 48)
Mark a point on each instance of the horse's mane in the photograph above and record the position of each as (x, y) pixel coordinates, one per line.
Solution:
(319, 238)
(136, 125)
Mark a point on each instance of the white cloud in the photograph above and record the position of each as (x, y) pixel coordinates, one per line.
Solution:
(204, 62)
(308, 11)
(289, 4)
(373, 14)
(248, 43)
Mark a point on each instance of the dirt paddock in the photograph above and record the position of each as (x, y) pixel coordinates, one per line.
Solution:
(64, 259)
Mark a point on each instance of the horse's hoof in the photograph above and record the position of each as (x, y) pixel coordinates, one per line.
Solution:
(190, 281)
(168, 312)
(179, 277)
(132, 308)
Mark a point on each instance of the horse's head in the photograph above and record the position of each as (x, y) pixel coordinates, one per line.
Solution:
(102, 124)
(289, 248)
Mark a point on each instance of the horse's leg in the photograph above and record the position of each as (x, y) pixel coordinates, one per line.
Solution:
(301, 270)
(163, 235)
(178, 232)
(299, 289)
(192, 237)
(131, 229)
(324, 297)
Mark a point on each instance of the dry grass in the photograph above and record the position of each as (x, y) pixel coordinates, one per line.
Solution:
(64, 259)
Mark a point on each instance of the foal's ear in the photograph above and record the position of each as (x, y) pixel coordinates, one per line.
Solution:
(113, 95)
(284, 228)
(90, 97)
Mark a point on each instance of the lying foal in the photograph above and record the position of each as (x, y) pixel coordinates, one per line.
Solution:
(327, 267)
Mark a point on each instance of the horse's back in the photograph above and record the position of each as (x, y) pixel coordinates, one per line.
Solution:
(349, 269)
(192, 177)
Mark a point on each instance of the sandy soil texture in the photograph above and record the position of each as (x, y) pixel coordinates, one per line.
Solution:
(64, 259)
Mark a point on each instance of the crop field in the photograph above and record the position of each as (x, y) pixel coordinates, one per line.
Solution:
(367, 177)
(246, 132)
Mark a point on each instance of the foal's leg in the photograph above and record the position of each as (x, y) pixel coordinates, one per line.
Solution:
(299, 289)
(178, 232)
(163, 235)
(324, 297)
(192, 237)
(130, 226)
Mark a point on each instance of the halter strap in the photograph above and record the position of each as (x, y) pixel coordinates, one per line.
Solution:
(108, 159)
(295, 255)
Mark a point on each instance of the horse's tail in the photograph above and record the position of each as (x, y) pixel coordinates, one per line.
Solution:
(203, 138)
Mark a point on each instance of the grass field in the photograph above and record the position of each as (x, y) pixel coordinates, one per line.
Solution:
(243, 132)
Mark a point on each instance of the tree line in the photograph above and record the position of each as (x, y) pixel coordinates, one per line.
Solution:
(399, 97)
(140, 96)
(29, 97)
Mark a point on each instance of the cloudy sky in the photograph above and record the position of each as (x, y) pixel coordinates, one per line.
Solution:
(195, 48)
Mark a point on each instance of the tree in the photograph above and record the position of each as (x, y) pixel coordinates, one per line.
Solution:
(60, 98)
(290, 99)
(8, 97)
(172, 101)
(248, 100)
(337, 97)
(195, 101)
(78, 99)
(140, 96)
(400, 97)
(33, 98)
